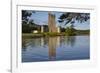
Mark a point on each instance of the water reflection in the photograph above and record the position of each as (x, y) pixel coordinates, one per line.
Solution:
(52, 42)
(70, 40)
(50, 45)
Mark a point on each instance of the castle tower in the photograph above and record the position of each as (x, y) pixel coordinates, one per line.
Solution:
(51, 22)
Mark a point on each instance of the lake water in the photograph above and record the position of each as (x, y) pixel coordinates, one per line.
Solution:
(56, 48)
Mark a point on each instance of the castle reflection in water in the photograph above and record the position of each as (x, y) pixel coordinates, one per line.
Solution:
(50, 45)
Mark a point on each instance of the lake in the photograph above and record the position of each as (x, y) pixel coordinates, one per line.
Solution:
(55, 48)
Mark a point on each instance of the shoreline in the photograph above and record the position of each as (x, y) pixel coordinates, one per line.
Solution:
(37, 35)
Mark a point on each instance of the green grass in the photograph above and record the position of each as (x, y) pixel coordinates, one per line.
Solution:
(82, 32)
(51, 34)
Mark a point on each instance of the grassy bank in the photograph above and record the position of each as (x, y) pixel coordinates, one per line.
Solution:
(50, 34)
(46, 34)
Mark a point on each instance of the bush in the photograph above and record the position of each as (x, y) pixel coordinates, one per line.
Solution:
(27, 28)
(70, 31)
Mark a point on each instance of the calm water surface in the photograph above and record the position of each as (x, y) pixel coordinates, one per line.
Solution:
(55, 48)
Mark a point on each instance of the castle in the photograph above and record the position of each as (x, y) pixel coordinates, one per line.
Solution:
(52, 22)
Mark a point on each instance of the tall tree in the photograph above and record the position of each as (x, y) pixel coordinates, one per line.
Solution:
(27, 23)
(69, 17)
(25, 16)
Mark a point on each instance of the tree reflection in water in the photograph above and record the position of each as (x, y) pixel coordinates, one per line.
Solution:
(51, 42)
(24, 44)
(70, 40)
(55, 48)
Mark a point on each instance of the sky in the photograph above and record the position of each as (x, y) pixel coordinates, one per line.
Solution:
(41, 18)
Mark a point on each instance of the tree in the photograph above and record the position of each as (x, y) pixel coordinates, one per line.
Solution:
(31, 22)
(69, 17)
(25, 16)
(27, 23)
(70, 30)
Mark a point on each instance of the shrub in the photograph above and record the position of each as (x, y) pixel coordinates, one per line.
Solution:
(70, 31)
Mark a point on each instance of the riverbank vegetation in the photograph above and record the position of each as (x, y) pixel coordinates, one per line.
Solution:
(49, 34)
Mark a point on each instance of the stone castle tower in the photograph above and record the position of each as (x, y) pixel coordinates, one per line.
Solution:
(52, 22)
